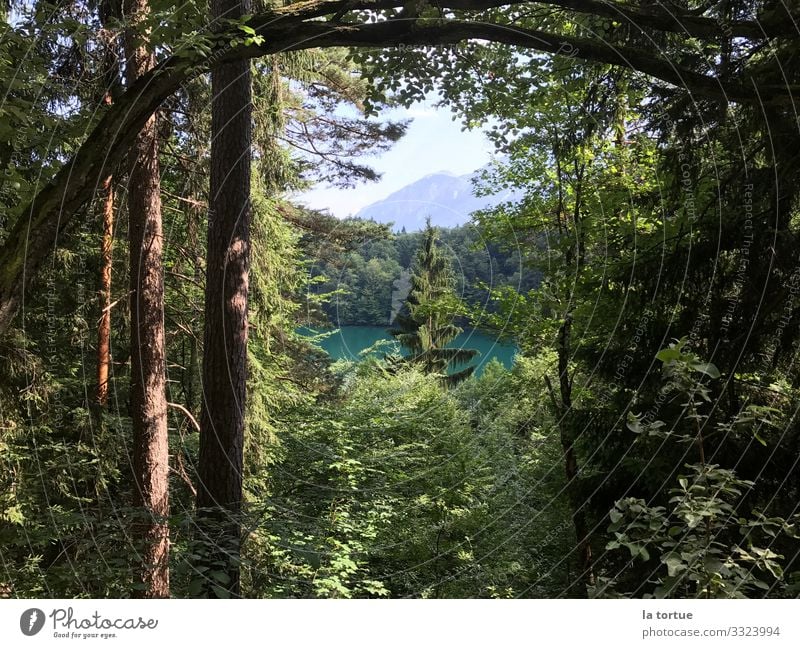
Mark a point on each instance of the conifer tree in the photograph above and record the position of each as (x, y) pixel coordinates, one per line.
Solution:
(222, 419)
(148, 342)
(425, 324)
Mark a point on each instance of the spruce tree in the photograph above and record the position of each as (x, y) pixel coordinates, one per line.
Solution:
(425, 325)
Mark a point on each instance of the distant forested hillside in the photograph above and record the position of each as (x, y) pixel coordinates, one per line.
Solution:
(364, 279)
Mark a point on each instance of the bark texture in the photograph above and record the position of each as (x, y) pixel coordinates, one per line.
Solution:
(104, 327)
(107, 10)
(224, 370)
(148, 379)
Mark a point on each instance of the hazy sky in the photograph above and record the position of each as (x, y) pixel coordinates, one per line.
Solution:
(433, 142)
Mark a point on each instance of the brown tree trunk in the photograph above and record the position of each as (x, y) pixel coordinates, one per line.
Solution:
(224, 373)
(104, 327)
(190, 376)
(108, 10)
(148, 380)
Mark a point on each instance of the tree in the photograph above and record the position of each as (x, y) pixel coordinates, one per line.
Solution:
(634, 213)
(298, 26)
(286, 118)
(224, 374)
(425, 325)
(106, 11)
(709, 542)
(407, 487)
(148, 351)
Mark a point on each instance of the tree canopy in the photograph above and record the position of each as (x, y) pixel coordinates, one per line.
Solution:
(691, 43)
(643, 443)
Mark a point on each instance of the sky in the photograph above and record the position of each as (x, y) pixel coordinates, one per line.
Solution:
(432, 143)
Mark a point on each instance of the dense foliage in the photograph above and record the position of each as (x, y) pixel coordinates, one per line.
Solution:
(645, 441)
(362, 284)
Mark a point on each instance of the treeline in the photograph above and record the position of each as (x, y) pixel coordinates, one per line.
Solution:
(361, 284)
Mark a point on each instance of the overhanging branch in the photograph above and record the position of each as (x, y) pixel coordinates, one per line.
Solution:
(54, 207)
(652, 17)
(398, 32)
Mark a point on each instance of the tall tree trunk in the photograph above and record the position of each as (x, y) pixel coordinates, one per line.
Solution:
(224, 373)
(104, 327)
(563, 406)
(148, 380)
(108, 9)
(194, 217)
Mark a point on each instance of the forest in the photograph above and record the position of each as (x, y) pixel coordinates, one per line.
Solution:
(167, 431)
(357, 287)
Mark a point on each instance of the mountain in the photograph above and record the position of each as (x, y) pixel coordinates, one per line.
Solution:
(447, 198)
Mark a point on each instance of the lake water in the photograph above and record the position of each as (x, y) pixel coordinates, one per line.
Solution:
(349, 341)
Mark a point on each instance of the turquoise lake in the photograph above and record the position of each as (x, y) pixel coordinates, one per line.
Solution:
(348, 342)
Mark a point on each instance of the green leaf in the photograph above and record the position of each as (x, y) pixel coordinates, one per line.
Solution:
(706, 368)
(674, 564)
(221, 577)
(668, 355)
(634, 424)
(195, 587)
